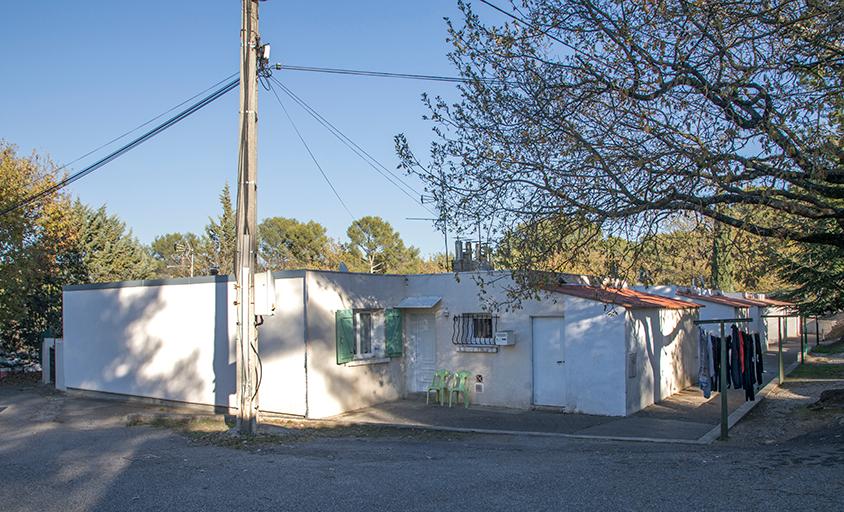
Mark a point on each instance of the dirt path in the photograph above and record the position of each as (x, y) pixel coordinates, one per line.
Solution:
(784, 415)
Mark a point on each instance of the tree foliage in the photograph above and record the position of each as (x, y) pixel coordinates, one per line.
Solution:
(287, 243)
(623, 114)
(50, 243)
(222, 233)
(374, 243)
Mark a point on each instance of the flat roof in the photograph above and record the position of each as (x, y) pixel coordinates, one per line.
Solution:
(625, 297)
(717, 299)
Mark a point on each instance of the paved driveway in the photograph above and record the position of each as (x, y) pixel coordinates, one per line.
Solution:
(73, 454)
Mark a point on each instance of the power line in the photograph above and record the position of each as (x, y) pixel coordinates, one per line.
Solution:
(378, 74)
(123, 149)
(325, 176)
(159, 116)
(380, 168)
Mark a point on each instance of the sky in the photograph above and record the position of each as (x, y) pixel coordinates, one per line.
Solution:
(77, 74)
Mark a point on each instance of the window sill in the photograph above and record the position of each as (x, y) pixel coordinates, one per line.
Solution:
(491, 349)
(368, 361)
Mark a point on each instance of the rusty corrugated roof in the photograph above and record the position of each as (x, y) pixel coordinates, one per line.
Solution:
(717, 299)
(776, 302)
(625, 297)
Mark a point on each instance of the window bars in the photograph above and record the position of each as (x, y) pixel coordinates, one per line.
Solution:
(474, 329)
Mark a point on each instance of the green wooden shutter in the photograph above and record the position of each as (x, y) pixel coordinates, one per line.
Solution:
(393, 332)
(344, 320)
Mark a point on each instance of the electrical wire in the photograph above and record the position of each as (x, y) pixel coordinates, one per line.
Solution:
(125, 148)
(159, 116)
(380, 168)
(308, 149)
(378, 74)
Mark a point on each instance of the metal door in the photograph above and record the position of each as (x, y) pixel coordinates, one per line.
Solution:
(549, 361)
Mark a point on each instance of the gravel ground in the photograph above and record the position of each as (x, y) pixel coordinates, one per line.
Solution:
(72, 454)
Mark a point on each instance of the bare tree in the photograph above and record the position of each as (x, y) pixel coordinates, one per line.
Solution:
(625, 114)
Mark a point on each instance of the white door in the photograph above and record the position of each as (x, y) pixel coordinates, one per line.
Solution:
(549, 361)
(422, 345)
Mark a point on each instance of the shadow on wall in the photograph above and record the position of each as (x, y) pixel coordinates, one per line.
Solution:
(650, 324)
(344, 388)
(152, 341)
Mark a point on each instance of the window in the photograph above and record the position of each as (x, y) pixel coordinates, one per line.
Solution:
(363, 334)
(482, 328)
(474, 329)
(368, 334)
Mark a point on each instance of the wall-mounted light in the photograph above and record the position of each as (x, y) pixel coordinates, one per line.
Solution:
(445, 312)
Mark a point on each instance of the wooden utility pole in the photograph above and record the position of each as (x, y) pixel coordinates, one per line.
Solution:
(246, 255)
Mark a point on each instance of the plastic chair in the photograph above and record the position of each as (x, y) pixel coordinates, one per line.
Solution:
(461, 385)
(439, 386)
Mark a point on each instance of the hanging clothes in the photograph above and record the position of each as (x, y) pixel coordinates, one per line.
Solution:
(759, 358)
(715, 343)
(748, 366)
(706, 369)
(716, 360)
(735, 361)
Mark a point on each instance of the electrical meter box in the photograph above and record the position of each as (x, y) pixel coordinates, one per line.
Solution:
(265, 294)
(505, 338)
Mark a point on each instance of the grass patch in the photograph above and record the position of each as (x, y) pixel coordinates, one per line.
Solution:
(818, 371)
(829, 348)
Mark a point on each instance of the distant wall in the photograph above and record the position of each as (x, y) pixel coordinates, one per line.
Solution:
(664, 342)
(171, 339)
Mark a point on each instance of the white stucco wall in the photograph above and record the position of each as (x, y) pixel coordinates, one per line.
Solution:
(594, 343)
(333, 388)
(170, 341)
(282, 349)
(665, 343)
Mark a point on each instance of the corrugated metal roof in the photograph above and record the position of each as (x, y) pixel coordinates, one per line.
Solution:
(625, 297)
(717, 299)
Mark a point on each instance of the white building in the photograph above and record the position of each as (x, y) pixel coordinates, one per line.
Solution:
(342, 341)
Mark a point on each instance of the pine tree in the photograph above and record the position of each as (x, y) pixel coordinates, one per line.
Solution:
(223, 235)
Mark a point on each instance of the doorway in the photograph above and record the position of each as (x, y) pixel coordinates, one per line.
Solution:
(422, 348)
(549, 361)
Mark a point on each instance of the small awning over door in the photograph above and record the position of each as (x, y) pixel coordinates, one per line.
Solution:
(422, 302)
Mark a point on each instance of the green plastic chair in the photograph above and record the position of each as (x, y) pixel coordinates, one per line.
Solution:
(460, 385)
(439, 386)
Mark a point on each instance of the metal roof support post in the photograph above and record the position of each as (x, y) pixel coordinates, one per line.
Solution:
(817, 332)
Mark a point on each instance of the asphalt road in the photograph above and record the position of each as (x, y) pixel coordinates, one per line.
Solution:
(59, 453)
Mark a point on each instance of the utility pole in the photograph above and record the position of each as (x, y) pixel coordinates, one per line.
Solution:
(245, 257)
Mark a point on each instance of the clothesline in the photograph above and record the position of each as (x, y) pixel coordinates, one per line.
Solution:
(725, 411)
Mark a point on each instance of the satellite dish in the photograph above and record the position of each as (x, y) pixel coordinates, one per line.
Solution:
(343, 267)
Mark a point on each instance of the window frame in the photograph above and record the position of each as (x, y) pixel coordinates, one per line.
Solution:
(377, 345)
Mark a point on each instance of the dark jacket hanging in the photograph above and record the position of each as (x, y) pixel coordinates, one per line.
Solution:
(759, 353)
(748, 366)
(735, 362)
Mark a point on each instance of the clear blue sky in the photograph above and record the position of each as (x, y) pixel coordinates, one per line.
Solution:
(77, 74)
